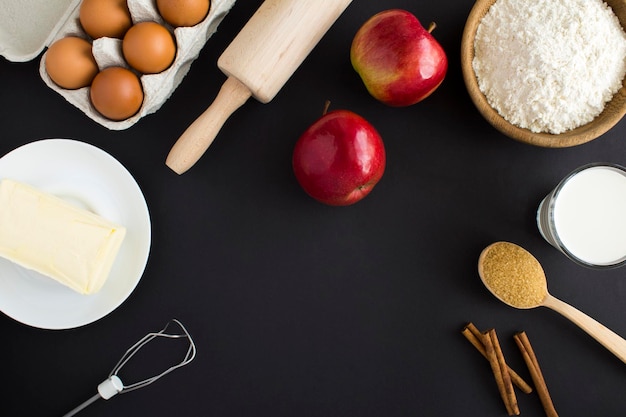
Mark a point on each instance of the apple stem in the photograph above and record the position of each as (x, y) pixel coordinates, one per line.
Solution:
(432, 27)
(326, 107)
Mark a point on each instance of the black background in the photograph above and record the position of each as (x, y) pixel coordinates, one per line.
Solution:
(300, 309)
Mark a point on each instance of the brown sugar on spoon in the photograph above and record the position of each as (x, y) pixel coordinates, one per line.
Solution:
(513, 276)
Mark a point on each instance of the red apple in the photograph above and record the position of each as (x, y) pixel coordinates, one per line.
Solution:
(339, 158)
(398, 60)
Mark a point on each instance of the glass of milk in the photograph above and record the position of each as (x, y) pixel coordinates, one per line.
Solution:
(585, 215)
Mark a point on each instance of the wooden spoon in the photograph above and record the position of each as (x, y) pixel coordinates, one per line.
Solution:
(515, 277)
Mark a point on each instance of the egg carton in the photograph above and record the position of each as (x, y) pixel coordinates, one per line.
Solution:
(19, 44)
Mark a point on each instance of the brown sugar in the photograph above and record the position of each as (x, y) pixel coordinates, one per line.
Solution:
(513, 275)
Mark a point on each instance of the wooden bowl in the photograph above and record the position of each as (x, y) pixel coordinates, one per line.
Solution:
(612, 113)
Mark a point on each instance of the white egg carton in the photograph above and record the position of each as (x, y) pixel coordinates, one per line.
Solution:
(28, 26)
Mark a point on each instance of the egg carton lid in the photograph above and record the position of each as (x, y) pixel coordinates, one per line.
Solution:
(28, 26)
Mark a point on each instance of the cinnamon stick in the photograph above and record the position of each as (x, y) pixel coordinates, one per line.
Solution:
(522, 341)
(474, 336)
(500, 371)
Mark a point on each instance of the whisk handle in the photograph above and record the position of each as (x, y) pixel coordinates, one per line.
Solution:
(83, 406)
(108, 388)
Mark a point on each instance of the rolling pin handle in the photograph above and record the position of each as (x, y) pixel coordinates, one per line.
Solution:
(194, 142)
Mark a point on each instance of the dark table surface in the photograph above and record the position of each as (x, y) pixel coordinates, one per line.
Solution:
(300, 309)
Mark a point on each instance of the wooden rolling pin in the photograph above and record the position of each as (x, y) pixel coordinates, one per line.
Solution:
(258, 62)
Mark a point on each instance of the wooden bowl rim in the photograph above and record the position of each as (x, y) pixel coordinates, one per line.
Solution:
(613, 112)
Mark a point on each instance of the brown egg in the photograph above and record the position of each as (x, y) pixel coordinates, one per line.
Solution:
(105, 18)
(149, 47)
(183, 12)
(70, 63)
(116, 93)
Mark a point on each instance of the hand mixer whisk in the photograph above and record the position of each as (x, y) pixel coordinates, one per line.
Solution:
(113, 385)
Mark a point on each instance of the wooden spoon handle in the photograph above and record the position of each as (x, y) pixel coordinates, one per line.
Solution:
(610, 340)
(200, 134)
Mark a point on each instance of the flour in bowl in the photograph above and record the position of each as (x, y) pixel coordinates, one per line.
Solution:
(549, 65)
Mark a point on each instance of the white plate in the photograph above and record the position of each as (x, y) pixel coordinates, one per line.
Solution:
(92, 179)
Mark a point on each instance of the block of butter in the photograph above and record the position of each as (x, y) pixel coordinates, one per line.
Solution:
(44, 233)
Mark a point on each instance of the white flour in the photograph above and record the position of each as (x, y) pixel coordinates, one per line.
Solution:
(549, 65)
